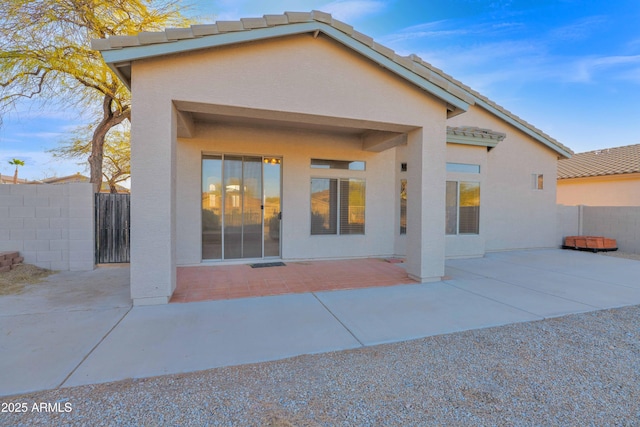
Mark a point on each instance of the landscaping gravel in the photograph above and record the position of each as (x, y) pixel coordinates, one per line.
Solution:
(619, 254)
(578, 370)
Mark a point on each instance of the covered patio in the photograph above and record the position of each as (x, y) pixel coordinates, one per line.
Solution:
(209, 283)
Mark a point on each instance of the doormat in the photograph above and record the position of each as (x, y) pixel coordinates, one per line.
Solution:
(268, 264)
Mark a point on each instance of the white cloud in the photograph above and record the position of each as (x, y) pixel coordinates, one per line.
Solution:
(621, 67)
(578, 30)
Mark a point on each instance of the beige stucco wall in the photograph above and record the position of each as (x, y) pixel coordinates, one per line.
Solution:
(616, 190)
(298, 75)
(513, 215)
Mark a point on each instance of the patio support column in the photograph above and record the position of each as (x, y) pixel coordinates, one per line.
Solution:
(153, 194)
(426, 202)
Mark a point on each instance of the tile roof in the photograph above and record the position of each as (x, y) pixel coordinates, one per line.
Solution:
(412, 62)
(608, 161)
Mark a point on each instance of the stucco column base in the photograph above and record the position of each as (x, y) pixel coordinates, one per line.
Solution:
(426, 279)
(151, 301)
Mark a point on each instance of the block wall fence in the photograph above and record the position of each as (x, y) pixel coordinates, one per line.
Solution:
(51, 225)
(617, 222)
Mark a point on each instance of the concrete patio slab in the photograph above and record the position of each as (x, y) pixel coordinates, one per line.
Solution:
(179, 338)
(39, 350)
(79, 328)
(102, 288)
(538, 302)
(406, 312)
(46, 332)
(598, 294)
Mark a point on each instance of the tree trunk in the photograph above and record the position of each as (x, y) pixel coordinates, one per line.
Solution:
(15, 176)
(109, 120)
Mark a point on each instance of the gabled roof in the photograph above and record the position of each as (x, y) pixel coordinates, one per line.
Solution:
(120, 51)
(608, 161)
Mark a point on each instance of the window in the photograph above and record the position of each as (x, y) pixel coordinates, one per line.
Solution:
(337, 206)
(537, 181)
(462, 207)
(338, 164)
(463, 167)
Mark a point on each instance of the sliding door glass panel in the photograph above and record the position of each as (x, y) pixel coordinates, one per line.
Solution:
(252, 208)
(212, 207)
(232, 207)
(272, 207)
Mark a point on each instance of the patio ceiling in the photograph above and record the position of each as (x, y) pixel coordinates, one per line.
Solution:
(375, 136)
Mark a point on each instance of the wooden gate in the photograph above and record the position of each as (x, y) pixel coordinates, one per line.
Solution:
(112, 228)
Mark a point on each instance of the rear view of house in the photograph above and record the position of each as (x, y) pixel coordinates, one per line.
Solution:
(296, 137)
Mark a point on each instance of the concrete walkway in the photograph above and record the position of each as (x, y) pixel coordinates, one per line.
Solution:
(80, 328)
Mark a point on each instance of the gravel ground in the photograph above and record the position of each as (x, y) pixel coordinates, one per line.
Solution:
(619, 254)
(578, 370)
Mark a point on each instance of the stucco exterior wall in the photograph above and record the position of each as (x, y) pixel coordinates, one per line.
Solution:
(513, 214)
(291, 74)
(51, 225)
(615, 190)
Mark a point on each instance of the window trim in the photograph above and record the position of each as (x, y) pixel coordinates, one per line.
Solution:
(457, 229)
(332, 164)
(454, 167)
(338, 208)
(537, 181)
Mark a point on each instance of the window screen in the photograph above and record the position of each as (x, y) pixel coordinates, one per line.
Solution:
(337, 205)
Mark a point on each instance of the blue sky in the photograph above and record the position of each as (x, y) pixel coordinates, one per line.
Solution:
(569, 67)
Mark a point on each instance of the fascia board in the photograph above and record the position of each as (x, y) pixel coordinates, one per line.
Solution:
(134, 53)
(470, 140)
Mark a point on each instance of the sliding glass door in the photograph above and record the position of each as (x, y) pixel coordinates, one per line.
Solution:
(240, 207)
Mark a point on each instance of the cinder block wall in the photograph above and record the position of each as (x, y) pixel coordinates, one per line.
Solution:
(568, 223)
(51, 225)
(618, 222)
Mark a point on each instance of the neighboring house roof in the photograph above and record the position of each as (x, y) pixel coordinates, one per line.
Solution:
(119, 51)
(77, 177)
(608, 161)
(8, 179)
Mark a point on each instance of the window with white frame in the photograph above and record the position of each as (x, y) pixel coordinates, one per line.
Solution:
(462, 207)
(337, 206)
(537, 181)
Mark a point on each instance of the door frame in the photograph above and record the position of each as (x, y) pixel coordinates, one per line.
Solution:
(221, 156)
